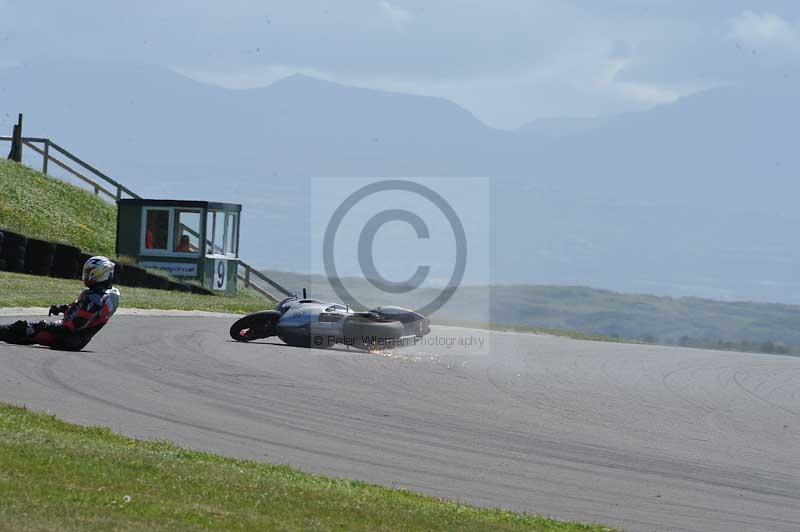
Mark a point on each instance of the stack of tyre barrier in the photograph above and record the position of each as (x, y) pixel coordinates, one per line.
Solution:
(13, 250)
(21, 254)
(39, 257)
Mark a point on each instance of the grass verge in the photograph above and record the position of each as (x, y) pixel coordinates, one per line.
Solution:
(58, 476)
(21, 290)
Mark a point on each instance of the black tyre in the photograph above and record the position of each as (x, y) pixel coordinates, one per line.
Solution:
(38, 269)
(39, 256)
(178, 286)
(14, 258)
(15, 265)
(117, 277)
(3, 264)
(175, 286)
(364, 333)
(156, 281)
(255, 326)
(132, 276)
(14, 247)
(14, 253)
(66, 262)
(13, 239)
(2, 237)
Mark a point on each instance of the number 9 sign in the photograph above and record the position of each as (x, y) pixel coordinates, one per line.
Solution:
(220, 274)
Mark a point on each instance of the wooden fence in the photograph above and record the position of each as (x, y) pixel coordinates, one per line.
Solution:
(99, 181)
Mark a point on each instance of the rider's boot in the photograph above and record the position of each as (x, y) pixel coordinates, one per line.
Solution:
(14, 333)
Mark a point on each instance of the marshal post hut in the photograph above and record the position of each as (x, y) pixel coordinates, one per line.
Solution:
(190, 240)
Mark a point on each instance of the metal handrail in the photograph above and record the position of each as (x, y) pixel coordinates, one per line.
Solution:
(257, 289)
(249, 270)
(119, 188)
(47, 157)
(97, 187)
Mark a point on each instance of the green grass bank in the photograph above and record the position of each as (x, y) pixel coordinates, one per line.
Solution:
(58, 476)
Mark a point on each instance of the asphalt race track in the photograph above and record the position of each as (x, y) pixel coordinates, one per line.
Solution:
(645, 438)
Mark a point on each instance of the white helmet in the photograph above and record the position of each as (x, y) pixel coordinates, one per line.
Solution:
(97, 270)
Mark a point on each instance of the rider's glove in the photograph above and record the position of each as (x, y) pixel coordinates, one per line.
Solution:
(57, 309)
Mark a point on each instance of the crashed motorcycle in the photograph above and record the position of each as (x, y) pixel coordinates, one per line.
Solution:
(302, 322)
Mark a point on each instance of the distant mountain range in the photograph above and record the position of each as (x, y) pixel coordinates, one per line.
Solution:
(694, 198)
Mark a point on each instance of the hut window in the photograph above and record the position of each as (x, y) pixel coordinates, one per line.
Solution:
(156, 229)
(186, 232)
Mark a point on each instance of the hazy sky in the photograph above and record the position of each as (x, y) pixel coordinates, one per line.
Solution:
(509, 62)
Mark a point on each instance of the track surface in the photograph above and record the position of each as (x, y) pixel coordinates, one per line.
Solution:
(646, 438)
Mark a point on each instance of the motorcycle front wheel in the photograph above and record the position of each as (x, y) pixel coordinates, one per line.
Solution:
(255, 326)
